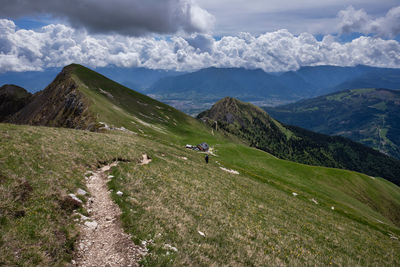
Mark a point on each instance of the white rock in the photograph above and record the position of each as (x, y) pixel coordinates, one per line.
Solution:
(91, 225)
(313, 200)
(73, 262)
(201, 233)
(84, 218)
(294, 194)
(119, 193)
(229, 170)
(81, 192)
(110, 177)
(168, 246)
(332, 208)
(75, 198)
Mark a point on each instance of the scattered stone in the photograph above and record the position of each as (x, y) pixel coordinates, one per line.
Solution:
(81, 192)
(110, 177)
(228, 170)
(313, 200)
(70, 202)
(102, 240)
(83, 217)
(393, 237)
(201, 233)
(74, 197)
(332, 208)
(119, 193)
(73, 262)
(91, 225)
(146, 160)
(294, 194)
(168, 246)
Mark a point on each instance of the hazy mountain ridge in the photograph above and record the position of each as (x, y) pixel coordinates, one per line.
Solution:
(257, 85)
(368, 116)
(204, 87)
(261, 131)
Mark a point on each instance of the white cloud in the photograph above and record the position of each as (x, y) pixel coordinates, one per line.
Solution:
(259, 16)
(59, 45)
(352, 20)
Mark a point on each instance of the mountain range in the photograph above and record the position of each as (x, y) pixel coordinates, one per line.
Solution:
(204, 87)
(269, 89)
(245, 207)
(369, 116)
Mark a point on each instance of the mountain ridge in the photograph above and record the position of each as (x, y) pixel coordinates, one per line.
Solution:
(255, 126)
(369, 116)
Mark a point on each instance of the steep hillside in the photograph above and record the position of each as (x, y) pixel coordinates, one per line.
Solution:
(61, 104)
(368, 116)
(12, 99)
(245, 207)
(83, 99)
(287, 142)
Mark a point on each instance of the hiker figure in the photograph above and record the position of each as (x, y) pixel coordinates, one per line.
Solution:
(206, 158)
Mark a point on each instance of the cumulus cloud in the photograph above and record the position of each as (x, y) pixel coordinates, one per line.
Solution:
(128, 17)
(60, 45)
(352, 20)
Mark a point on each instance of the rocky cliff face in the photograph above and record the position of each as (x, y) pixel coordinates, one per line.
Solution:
(61, 104)
(12, 99)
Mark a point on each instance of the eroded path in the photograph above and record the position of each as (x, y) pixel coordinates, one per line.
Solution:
(103, 242)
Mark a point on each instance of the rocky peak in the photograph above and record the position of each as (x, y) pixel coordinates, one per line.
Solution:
(60, 104)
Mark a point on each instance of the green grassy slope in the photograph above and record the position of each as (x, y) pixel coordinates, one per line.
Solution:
(369, 116)
(251, 218)
(256, 127)
(248, 219)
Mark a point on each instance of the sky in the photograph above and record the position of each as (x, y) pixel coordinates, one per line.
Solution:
(187, 35)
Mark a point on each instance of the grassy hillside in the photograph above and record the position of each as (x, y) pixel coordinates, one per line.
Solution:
(250, 218)
(256, 127)
(369, 116)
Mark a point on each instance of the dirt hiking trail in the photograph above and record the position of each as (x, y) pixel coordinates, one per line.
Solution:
(103, 242)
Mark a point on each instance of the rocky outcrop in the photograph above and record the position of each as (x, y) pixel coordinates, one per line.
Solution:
(12, 99)
(61, 104)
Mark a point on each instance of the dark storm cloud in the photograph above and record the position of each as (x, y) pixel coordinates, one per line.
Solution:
(128, 17)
